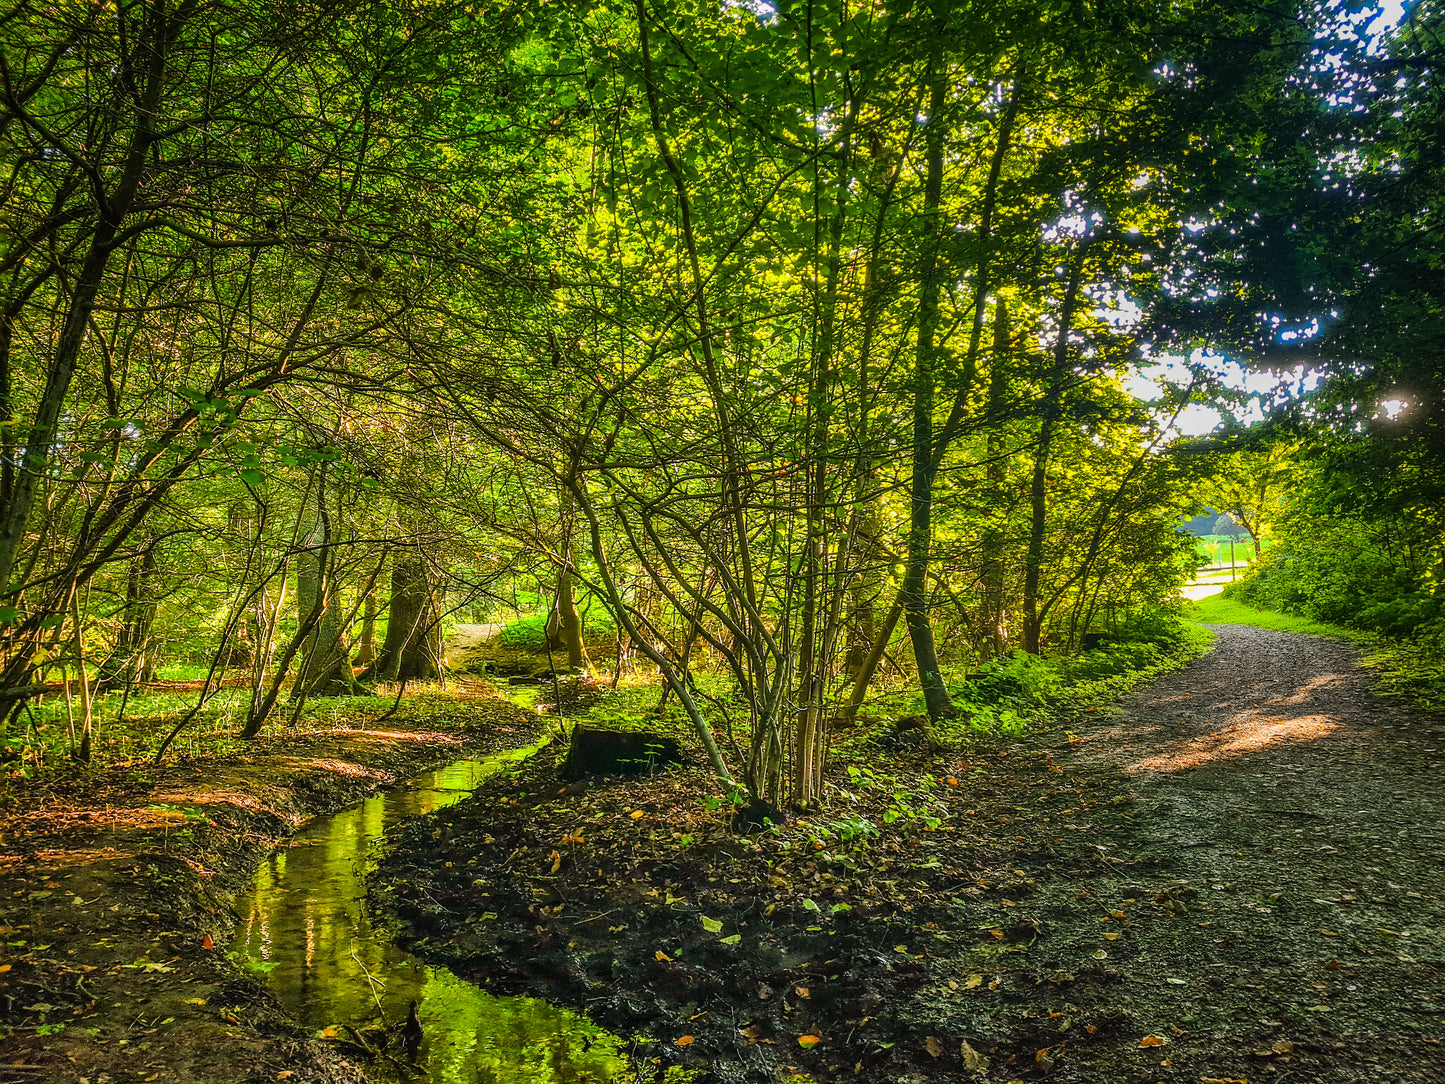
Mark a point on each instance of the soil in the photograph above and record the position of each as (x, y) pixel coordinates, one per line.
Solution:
(1234, 875)
(116, 889)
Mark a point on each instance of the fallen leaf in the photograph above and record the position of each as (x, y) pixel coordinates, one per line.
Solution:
(973, 982)
(195, 1001)
(1282, 1046)
(1043, 1060)
(997, 935)
(638, 814)
(731, 939)
(751, 1033)
(4, 968)
(285, 1074)
(972, 1059)
(1111, 937)
(328, 1033)
(933, 1046)
(686, 1040)
(662, 957)
(711, 925)
(807, 1042)
(207, 943)
(1153, 1040)
(556, 861)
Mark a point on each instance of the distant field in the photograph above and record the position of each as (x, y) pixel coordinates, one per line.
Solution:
(1215, 549)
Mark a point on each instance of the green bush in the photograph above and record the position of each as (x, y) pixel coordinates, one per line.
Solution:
(1344, 576)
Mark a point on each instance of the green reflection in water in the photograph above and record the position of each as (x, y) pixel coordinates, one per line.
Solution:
(305, 918)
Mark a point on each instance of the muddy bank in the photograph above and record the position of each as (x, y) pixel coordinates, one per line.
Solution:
(1236, 876)
(116, 891)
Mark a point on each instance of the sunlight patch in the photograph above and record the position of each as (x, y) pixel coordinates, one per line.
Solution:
(1237, 740)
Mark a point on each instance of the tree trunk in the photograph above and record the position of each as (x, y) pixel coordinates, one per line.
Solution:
(366, 652)
(411, 649)
(920, 526)
(325, 664)
(87, 727)
(992, 572)
(1038, 485)
(564, 624)
(134, 659)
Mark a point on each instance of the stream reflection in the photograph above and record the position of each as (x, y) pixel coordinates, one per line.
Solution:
(305, 920)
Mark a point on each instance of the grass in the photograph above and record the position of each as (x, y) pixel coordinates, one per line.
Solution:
(1219, 610)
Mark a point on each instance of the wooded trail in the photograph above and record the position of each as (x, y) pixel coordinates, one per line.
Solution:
(1304, 814)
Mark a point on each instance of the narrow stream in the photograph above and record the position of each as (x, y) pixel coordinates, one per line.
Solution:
(304, 922)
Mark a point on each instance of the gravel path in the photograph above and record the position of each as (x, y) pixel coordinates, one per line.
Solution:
(1301, 818)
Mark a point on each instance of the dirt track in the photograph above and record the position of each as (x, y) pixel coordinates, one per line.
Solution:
(1307, 814)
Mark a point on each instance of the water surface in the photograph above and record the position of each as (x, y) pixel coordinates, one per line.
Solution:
(305, 920)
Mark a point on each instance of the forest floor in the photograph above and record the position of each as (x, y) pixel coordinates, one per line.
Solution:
(1236, 874)
(116, 889)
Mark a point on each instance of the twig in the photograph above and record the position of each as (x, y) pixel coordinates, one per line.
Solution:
(371, 980)
(594, 918)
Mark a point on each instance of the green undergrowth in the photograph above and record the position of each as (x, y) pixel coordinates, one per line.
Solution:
(1001, 700)
(1010, 696)
(531, 632)
(1413, 669)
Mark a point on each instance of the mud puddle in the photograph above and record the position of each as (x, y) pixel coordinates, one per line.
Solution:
(305, 925)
